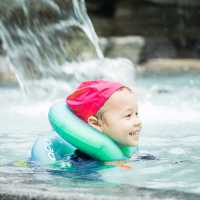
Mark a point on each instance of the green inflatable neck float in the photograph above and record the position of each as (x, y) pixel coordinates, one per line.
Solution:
(84, 137)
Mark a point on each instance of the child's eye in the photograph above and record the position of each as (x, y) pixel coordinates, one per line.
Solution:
(128, 116)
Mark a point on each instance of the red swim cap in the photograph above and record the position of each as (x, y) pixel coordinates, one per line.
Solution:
(90, 96)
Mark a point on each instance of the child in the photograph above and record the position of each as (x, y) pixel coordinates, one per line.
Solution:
(110, 107)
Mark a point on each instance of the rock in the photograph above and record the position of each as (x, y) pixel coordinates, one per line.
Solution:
(105, 8)
(159, 47)
(77, 45)
(173, 23)
(2, 50)
(178, 2)
(6, 74)
(171, 65)
(34, 12)
(127, 47)
(7, 6)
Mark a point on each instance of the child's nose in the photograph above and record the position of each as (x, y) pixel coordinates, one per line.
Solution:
(138, 123)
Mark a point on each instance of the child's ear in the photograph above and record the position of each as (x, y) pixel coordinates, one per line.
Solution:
(93, 121)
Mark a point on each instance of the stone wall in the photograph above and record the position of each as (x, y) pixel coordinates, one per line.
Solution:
(170, 28)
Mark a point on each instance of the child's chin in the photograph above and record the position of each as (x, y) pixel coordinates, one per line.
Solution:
(134, 143)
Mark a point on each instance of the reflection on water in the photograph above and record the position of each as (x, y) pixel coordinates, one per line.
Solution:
(170, 133)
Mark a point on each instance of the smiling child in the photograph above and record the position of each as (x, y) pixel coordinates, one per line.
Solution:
(109, 107)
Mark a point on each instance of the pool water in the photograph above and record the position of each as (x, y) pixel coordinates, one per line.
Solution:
(170, 112)
(169, 109)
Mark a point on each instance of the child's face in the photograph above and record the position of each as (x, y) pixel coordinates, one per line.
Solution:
(120, 119)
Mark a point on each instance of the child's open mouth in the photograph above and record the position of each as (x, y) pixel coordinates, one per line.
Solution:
(133, 133)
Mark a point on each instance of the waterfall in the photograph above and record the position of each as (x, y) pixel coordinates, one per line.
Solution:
(48, 41)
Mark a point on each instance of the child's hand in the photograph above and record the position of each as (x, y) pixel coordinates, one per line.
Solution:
(122, 164)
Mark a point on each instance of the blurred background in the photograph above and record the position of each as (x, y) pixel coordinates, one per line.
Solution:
(163, 34)
(156, 35)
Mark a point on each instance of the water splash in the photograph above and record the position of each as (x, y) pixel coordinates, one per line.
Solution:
(52, 45)
(40, 36)
(87, 27)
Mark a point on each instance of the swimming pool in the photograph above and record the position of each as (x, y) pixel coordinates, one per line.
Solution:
(169, 109)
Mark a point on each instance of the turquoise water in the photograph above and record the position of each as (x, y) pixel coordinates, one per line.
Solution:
(169, 109)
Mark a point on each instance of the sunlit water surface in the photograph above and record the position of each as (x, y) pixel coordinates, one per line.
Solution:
(169, 108)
